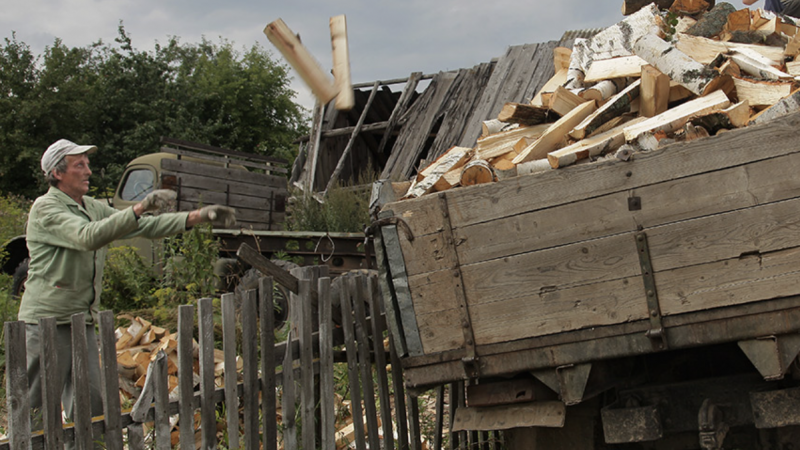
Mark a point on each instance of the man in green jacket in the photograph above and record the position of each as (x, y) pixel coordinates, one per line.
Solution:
(67, 235)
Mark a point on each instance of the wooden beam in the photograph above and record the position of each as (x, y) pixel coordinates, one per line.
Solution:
(676, 117)
(677, 65)
(654, 92)
(345, 100)
(621, 67)
(555, 134)
(614, 107)
(600, 144)
(301, 60)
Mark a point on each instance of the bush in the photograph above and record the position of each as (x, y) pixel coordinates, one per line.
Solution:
(188, 267)
(128, 282)
(344, 209)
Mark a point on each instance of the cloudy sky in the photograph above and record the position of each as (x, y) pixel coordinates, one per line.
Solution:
(387, 39)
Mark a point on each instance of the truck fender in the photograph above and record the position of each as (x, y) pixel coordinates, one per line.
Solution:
(17, 251)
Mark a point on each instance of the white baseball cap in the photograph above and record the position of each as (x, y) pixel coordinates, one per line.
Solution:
(61, 148)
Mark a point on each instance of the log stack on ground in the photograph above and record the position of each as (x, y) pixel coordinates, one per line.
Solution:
(642, 83)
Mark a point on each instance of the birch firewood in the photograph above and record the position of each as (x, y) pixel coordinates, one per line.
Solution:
(501, 143)
(677, 65)
(555, 134)
(620, 67)
(736, 116)
(563, 101)
(522, 114)
(561, 57)
(712, 21)
(676, 117)
(495, 126)
(603, 90)
(783, 107)
(793, 68)
(738, 20)
(689, 7)
(793, 47)
(600, 144)
(555, 81)
(614, 107)
(754, 64)
(345, 100)
(705, 50)
(301, 60)
(654, 95)
(453, 158)
(477, 172)
(761, 93)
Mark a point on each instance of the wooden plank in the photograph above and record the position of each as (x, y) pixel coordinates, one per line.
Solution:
(382, 378)
(135, 436)
(301, 60)
(288, 409)
(161, 394)
(229, 348)
(345, 100)
(110, 382)
(308, 401)
(186, 374)
(539, 414)
(439, 418)
(399, 396)
(225, 174)
(554, 136)
(334, 179)
(389, 305)
(614, 107)
(414, 432)
(620, 67)
(206, 149)
(268, 165)
(250, 382)
(654, 92)
(761, 93)
(409, 91)
(264, 200)
(326, 385)
(593, 146)
(80, 381)
(357, 286)
(208, 419)
(266, 310)
(401, 288)
(348, 296)
(51, 387)
(676, 117)
(17, 401)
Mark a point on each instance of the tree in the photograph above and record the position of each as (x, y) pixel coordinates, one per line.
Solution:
(123, 100)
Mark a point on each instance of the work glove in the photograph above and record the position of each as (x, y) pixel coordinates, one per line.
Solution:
(160, 199)
(218, 215)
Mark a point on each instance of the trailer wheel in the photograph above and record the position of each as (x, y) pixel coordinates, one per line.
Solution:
(280, 295)
(20, 277)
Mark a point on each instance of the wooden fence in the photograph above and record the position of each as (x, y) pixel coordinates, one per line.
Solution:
(323, 320)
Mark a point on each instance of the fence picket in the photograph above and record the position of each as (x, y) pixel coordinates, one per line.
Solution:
(135, 436)
(51, 388)
(250, 371)
(208, 420)
(326, 390)
(18, 404)
(348, 327)
(186, 375)
(308, 399)
(110, 382)
(401, 418)
(229, 349)
(289, 394)
(161, 394)
(266, 309)
(378, 327)
(439, 423)
(415, 436)
(362, 335)
(80, 384)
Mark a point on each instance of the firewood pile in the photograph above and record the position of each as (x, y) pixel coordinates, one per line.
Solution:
(687, 71)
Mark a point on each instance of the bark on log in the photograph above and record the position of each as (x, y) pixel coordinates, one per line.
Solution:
(691, 7)
(604, 90)
(677, 65)
(754, 64)
(713, 21)
(597, 145)
(523, 114)
(477, 172)
(620, 67)
(614, 107)
(785, 106)
(454, 158)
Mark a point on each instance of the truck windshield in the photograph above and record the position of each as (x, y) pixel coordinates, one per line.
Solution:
(138, 183)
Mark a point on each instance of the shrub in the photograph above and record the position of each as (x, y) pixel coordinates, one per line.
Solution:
(188, 267)
(128, 282)
(343, 209)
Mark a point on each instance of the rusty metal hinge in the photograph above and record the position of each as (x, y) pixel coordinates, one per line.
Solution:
(657, 333)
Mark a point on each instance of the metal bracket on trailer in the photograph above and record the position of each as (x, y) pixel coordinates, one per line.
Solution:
(657, 333)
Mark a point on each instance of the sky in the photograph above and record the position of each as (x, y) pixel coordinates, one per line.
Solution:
(387, 40)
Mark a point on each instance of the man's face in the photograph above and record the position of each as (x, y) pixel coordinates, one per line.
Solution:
(75, 181)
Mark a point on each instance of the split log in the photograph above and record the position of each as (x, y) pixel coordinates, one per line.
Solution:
(345, 100)
(455, 157)
(523, 114)
(793, 47)
(713, 21)
(676, 117)
(603, 90)
(789, 29)
(555, 81)
(705, 50)
(501, 143)
(614, 107)
(654, 93)
(495, 126)
(759, 18)
(477, 172)
(684, 23)
(761, 93)
(563, 101)
(600, 144)
(124, 341)
(690, 7)
(735, 116)
(555, 134)
(532, 167)
(730, 68)
(613, 123)
(793, 68)
(301, 60)
(785, 106)
(753, 37)
(561, 57)
(631, 6)
(758, 69)
(678, 66)
(738, 20)
(760, 60)
(620, 67)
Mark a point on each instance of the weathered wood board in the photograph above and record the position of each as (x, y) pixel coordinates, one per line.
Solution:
(555, 253)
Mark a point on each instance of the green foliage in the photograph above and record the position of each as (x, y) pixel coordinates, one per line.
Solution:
(189, 267)
(13, 216)
(128, 281)
(344, 208)
(672, 22)
(123, 100)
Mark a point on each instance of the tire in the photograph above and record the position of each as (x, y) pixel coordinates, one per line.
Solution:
(20, 277)
(280, 295)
